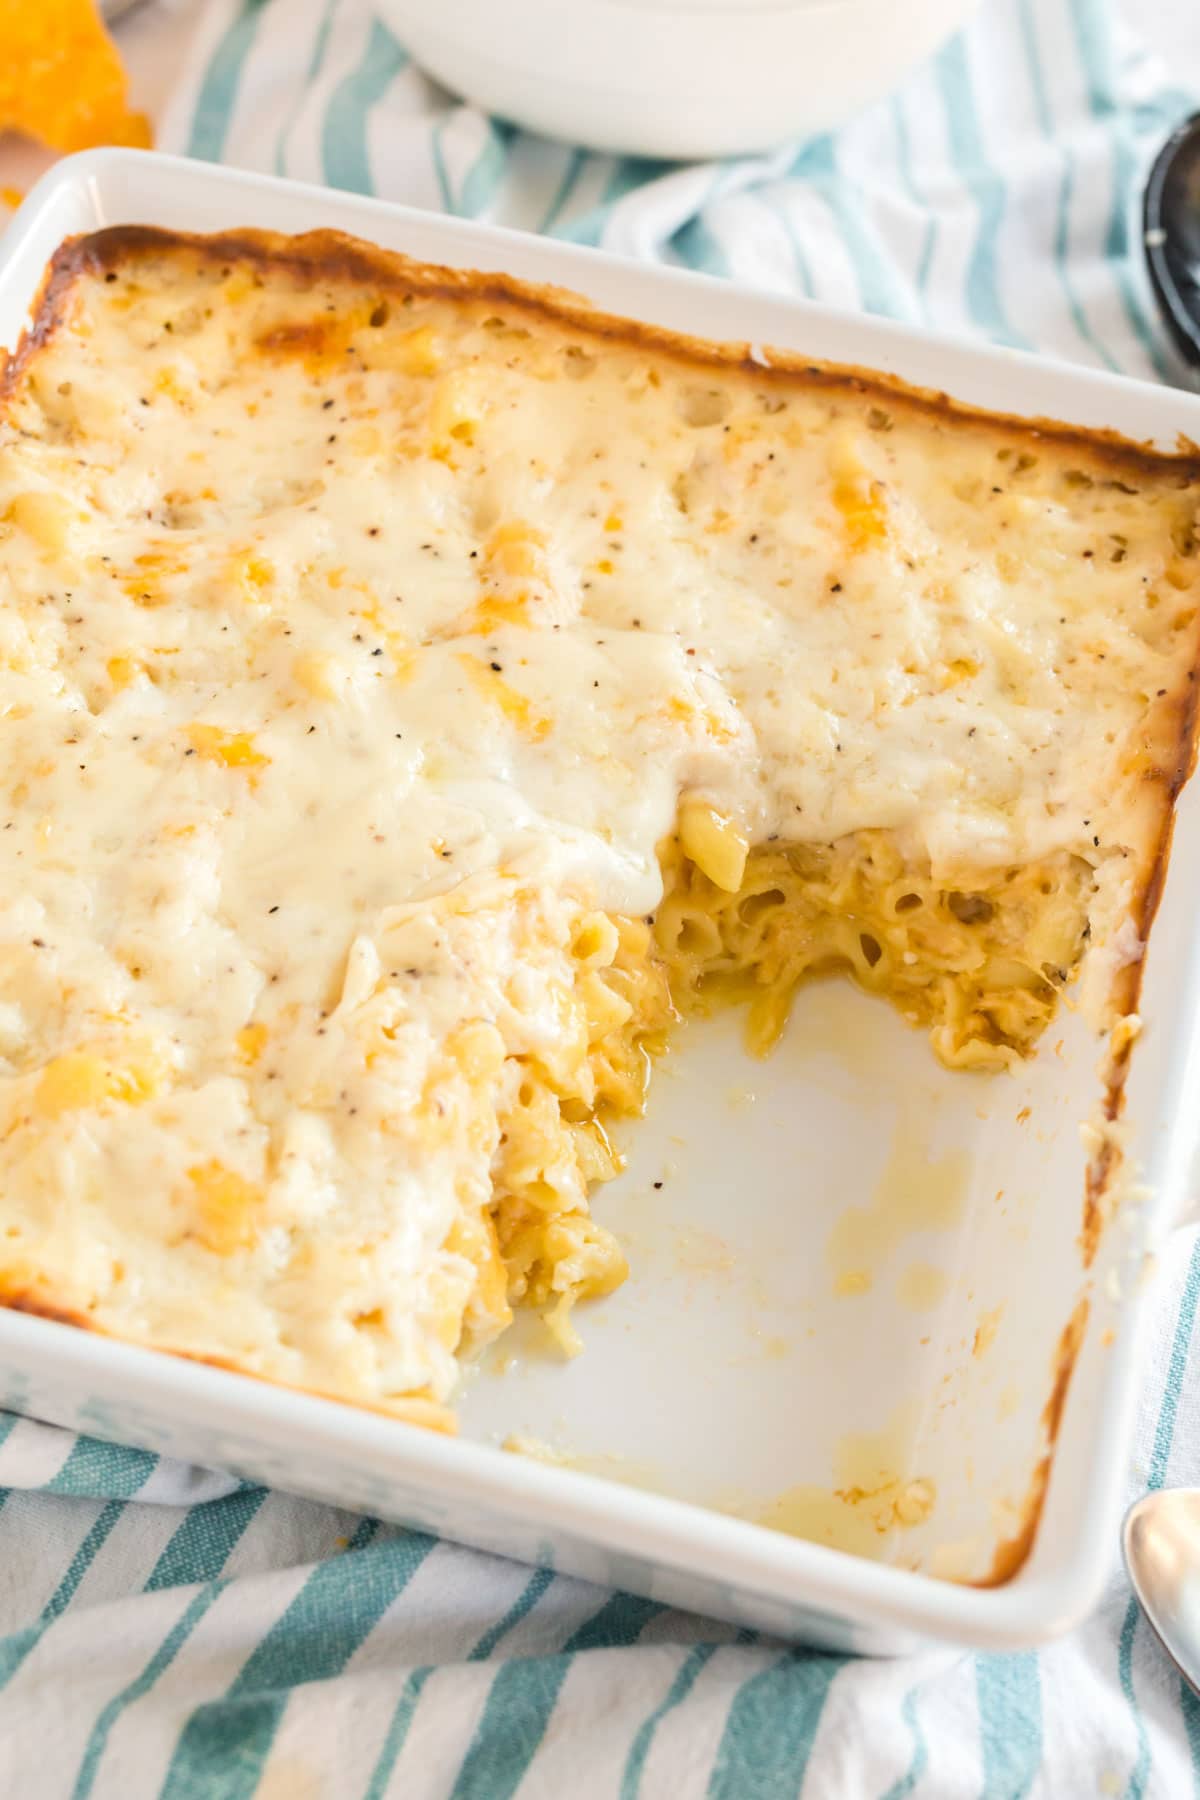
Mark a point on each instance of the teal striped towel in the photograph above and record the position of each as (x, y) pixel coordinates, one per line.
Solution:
(169, 1632)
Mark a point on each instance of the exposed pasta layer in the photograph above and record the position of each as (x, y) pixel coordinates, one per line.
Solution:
(981, 966)
(407, 679)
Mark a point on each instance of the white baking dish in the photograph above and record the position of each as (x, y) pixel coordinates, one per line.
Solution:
(728, 1372)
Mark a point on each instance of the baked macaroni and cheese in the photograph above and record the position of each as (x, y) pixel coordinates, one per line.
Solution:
(417, 689)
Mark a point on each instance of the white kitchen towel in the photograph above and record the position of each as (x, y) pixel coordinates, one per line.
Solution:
(171, 1632)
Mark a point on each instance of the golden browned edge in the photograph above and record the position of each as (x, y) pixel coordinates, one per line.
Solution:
(327, 255)
(411, 1410)
(1105, 1166)
(1009, 1556)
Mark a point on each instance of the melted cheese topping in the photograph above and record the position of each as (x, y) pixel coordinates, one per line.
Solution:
(358, 644)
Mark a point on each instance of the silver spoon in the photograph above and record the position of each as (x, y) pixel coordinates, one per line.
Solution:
(1171, 227)
(1160, 1540)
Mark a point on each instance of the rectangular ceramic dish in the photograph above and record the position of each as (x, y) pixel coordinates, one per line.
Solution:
(988, 1375)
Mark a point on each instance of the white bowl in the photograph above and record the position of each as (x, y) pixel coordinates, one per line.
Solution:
(673, 78)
